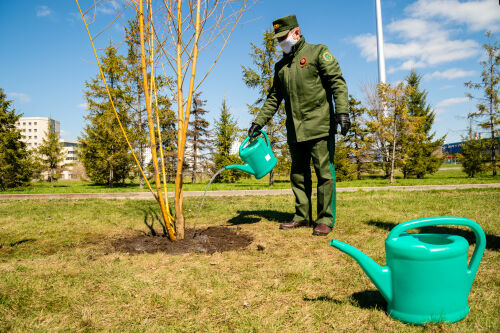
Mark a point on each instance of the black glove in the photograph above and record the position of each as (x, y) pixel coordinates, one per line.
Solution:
(342, 119)
(254, 130)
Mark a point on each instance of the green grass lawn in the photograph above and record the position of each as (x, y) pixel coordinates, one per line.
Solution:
(59, 271)
(443, 176)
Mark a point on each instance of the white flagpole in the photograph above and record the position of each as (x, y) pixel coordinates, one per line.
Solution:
(380, 44)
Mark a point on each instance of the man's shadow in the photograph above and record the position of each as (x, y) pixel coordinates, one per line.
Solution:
(492, 241)
(254, 216)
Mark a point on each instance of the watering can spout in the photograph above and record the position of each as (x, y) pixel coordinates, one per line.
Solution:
(242, 167)
(380, 276)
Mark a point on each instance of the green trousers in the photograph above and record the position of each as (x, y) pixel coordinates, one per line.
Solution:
(321, 151)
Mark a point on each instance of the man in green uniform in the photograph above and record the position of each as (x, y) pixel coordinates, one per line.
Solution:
(310, 81)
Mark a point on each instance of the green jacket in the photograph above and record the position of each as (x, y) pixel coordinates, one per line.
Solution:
(306, 79)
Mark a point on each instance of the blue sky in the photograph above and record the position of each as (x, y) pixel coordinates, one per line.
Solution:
(45, 54)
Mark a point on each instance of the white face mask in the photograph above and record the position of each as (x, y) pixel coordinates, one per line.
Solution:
(287, 44)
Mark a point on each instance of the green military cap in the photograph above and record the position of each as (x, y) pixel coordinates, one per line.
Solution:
(283, 25)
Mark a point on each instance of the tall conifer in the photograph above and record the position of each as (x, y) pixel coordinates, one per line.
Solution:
(420, 148)
(51, 153)
(198, 136)
(16, 167)
(103, 151)
(226, 132)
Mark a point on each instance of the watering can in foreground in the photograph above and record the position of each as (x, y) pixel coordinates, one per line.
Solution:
(426, 277)
(258, 157)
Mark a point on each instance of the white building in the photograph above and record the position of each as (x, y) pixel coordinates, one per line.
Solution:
(34, 129)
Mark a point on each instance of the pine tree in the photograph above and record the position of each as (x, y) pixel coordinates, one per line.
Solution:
(103, 150)
(474, 155)
(487, 109)
(134, 81)
(261, 78)
(16, 167)
(344, 169)
(420, 147)
(198, 136)
(359, 137)
(51, 153)
(168, 130)
(226, 131)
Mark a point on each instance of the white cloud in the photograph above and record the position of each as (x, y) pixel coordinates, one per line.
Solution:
(418, 41)
(450, 74)
(368, 45)
(42, 11)
(451, 101)
(416, 29)
(108, 7)
(477, 15)
(419, 53)
(82, 106)
(20, 97)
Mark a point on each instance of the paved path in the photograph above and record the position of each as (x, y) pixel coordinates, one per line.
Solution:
(148, 196)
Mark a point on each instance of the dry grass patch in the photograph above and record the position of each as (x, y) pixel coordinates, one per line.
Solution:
(69, 277)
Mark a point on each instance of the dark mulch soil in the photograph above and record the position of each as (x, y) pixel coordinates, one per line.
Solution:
(209, 240)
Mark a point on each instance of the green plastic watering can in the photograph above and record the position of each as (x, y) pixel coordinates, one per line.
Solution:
(257, 156)
(426, 278)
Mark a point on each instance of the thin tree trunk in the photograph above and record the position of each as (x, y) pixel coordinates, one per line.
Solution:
(195, 160)
(152, 137)
(141, 151)
(393, 152)
(183, 119)
(358, 162)
(110, 180)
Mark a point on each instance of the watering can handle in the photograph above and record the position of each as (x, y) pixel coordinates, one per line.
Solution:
(448, 220)
(243, 144)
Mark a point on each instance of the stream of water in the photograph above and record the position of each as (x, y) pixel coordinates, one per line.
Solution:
(205, 193)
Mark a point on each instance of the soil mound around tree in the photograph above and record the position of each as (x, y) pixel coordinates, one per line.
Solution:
(209, 240)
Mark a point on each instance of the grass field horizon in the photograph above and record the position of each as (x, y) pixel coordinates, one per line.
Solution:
(444, 176)
(60, 271)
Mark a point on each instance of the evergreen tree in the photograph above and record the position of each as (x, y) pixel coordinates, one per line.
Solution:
(474, 155)
(51, 153)
(261, 78)
(420, 147)
(138, 106)
(359, 137)
(198, 136)
(344, 168)
(487, 108)
(103, 150)
(16, 167)
(226, 131)
(168, 130)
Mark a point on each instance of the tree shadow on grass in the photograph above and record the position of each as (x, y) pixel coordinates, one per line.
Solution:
(151, 218)
(254, 216)
(492, 241)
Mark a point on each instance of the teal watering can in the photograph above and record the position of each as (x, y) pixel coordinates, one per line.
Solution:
(426, 277)
(257, 156)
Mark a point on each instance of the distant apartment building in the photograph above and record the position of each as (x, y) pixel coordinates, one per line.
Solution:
(34, 131)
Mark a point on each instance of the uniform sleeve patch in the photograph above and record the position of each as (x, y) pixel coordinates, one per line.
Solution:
(327, 56)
